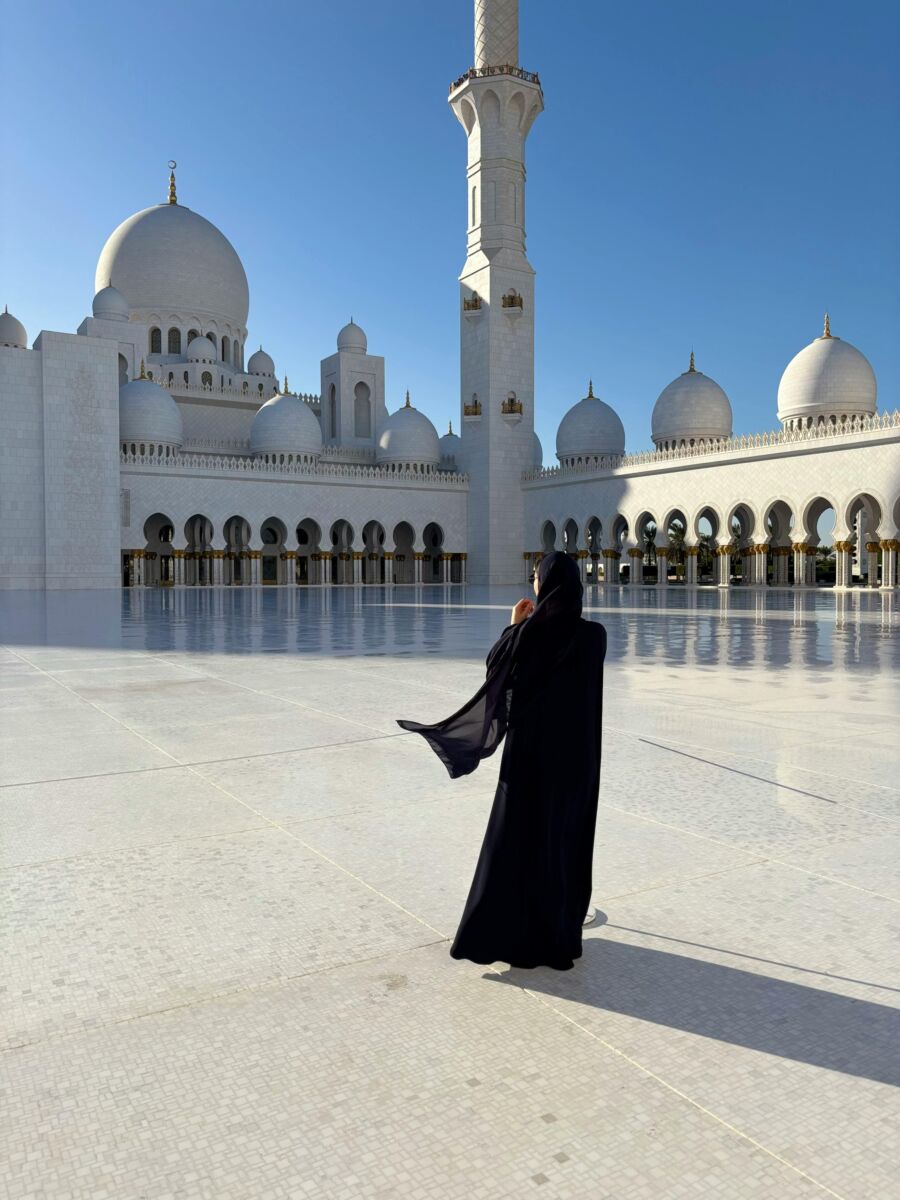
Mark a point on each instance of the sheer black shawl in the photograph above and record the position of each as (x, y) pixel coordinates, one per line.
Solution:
(518, 663)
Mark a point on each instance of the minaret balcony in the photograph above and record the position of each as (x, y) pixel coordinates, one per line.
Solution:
(472, 412)
(512, 304)
(472, 306)
(511, 410)
(505, 69)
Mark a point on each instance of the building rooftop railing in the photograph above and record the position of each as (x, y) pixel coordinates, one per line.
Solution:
(243, 465)
(745, 441)
(505, 69)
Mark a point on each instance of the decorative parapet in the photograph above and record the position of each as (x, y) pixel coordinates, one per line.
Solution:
(472, 303)
(241, 466)
(506, 69)
(472, 410)
(512, 300)
(508, 407)
(749, 441)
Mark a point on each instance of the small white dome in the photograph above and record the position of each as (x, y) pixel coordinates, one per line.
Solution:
(407, 436)
(450, 443)
(12, 331)
(110, 305)
(538, 459)
(691, 408)
(829, 377)
(353, 339)
(148, 414)
(260, 363)
(201, 349)
(285, 425)
(590, 428)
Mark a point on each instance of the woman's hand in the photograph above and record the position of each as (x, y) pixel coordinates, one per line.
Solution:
(520, 611)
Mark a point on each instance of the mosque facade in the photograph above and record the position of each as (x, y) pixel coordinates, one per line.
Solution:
(156, 447)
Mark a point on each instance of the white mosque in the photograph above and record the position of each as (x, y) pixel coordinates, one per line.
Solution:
(155, 447)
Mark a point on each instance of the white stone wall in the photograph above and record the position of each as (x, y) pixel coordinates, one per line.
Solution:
(21, 469)
(81, 460)
(839, 470)
(59, 464)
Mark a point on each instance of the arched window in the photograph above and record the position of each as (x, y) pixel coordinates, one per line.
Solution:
(185, 377)
(474, 204)
(171, 378)
(123, 370)
(362, 411)
(260, 388)
(174, 341)
(226, 350)
(192, 333)
(245, 386)
(215, 341)
(332, 412)
(206, 379)
(155, 341)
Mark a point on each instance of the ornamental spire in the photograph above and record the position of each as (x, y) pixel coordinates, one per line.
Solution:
(692, 367)
(827, 333)
(286, 386)
(450, 427)
(173, 199)
(590, 394)
(407, 404)
(143, 374)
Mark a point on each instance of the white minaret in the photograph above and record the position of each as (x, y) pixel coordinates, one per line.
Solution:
(496, 102)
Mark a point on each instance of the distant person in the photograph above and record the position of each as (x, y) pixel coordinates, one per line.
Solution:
(543, 691)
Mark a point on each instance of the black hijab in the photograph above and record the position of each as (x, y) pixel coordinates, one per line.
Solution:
(524, 656)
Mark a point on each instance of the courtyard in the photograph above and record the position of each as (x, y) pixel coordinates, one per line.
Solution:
(230, 883)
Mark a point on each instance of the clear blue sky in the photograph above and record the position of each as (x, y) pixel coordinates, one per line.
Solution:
(706, 173)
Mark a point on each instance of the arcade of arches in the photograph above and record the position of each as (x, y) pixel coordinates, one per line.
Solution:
(822, 544)
(279, 554)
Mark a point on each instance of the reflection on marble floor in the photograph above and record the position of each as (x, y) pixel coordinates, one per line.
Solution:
(229, 883)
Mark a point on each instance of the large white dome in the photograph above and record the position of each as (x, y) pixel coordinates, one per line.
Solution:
(148, 414)
(537, 460)
(588, 430)
(829, 377)
(407, 437)
(692, 408)
(286, 425)
(169, 260)
(201, 349)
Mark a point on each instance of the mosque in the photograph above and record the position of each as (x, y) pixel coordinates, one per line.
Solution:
(155, 447)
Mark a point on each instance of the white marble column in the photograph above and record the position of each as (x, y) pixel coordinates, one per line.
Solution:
(418, 558)
(889, 548)
(691, 554)
(636, 565)
(662, 566)
(843, 564)
(871, 561)
(137, 576)
(389, 567)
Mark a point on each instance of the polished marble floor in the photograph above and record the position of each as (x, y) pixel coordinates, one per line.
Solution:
(229, 885)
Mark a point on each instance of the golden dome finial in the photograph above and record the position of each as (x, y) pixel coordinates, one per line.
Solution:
(286, 386)
(692, 367)
(143, 374)
(173, 199)
(827, 333)
(407, 404)
(590, 394)
(450, 427)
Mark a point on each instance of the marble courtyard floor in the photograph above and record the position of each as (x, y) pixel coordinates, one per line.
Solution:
(230, 882)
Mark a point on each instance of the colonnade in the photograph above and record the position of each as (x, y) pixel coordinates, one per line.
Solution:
(602, 567)
(286, 568)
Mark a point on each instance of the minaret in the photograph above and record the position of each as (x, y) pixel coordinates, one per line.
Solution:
(496, 102)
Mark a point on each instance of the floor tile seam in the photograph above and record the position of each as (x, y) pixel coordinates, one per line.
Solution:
(750, 758)
(264, 985)
(23, 783)
(682, 1095)
(769, 858)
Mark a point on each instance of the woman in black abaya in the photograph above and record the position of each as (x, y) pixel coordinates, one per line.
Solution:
(543, 692)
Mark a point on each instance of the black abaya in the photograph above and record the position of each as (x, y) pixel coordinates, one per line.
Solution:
(532, 883)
